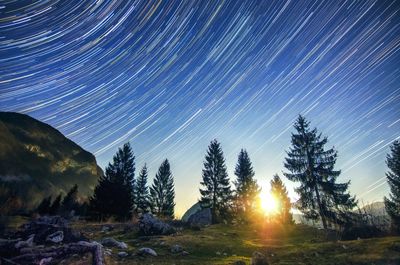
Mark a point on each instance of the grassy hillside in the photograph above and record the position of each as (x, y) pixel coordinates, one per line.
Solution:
(37, 160)
(221, 244)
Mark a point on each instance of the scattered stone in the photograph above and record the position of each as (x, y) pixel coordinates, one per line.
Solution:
(149, 225)
(176, 249)
(218, 253)
(56, 237)
(45, 261)
(258, 259)
(122, 254)
(106, 228)
(108, 251)
(239, 262)
(200, 218)
(344, 246)
(25, 243)
(111, 242)
(147, 251)
(225, 254)
(184, 253)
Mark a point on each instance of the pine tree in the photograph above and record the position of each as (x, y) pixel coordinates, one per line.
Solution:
(114, 194)
(70, 201)
(247, 189)
(278, 190)
(142, 192)
(44, 206)
(392, 203)
(216, 194)
(162, 192)
(55, 206)
(313, 167)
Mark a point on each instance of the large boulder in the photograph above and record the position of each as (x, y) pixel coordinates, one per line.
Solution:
(201, 218)
(111, 242)
(149, 225)
(258, 259)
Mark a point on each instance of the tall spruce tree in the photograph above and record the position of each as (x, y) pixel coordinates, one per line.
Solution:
(392, 203)
(313, 167)
(247, 189)
(278, 190)
(216, 193)
(56, 205)
(70, 201)
(162, 193)
(44, 206)
(114, 194)
(142, 192)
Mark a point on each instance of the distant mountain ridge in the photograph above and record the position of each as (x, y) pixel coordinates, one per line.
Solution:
(36, 160)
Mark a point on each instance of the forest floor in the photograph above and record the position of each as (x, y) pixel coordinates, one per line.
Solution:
(225, 244)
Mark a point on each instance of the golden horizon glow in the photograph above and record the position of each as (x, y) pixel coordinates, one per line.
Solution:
(269, 204)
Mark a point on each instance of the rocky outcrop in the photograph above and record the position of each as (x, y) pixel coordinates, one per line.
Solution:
(149, 225)
(200, 218)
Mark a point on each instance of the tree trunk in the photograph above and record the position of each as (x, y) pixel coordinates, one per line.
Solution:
(320, 208)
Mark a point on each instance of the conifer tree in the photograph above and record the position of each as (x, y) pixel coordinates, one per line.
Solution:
(216, 193)
(278, 190)
(313, 167)
(44, 206)
(55, 206)
(70, 201)
(392, 203)
(247, 189)
(114, 194)
(162, 192)
(142, 192)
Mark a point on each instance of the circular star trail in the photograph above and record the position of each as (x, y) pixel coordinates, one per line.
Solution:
(169, 76)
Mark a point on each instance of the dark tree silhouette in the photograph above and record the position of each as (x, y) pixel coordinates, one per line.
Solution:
(70, 201)
(278, 190)
(142, 192)
(44, 206)
(162, 192)
(56, 205)
(392, 203)
(114, 194)
(216, 192)
(247, 189)
(313, 167)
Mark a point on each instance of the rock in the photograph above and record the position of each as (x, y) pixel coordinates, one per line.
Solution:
(56, 237)
(149, 225)
(45, 261)
(47, 227)
(108, 251)
(239, 262)
(258, 259)
(122, 254)
(218, 253)
(111, 242)
(200, 218)
(106, 228)
(344, 246)
(147, 251)
(25, 243)
(176, 249)
(184, 253)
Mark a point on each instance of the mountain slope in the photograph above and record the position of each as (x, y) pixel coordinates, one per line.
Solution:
(37, 160)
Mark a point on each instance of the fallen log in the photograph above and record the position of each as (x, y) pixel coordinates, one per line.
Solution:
(50, 254)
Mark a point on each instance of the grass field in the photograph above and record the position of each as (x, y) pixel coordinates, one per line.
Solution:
(224, 244)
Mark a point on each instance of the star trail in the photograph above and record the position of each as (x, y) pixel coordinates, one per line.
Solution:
(169, 76)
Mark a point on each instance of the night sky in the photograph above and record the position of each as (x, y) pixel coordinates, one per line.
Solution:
(169, 76)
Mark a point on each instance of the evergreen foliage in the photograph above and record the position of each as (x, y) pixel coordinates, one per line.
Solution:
(162, 193)
(216, 192)
(392, 203)
(142, 192)
(247, 189)
(278, 190)
(56, 205)
(114, 194)
(313, 167)
(44, 206)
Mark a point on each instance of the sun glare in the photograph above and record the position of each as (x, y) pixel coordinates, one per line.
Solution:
(269, 203)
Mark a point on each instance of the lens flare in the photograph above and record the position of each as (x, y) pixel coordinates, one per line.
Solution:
(269, 204)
